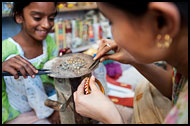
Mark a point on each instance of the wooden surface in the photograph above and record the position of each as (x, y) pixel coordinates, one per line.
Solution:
(63, 90)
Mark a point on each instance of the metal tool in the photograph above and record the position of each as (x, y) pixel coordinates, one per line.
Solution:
(94, 64)
(40, 72)
(57, 105)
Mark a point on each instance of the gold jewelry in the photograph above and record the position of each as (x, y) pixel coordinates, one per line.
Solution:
(167, 41)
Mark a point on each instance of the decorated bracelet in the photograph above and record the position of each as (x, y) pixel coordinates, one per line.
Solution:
(86, 86)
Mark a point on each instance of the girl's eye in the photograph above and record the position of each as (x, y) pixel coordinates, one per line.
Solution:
(37, 18)
(51, 19)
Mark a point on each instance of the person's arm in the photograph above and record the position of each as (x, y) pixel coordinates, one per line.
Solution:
(160, 78)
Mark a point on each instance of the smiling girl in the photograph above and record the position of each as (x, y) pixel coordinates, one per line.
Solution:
(26, 52)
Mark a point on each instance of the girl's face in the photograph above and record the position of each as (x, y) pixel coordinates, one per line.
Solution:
(135, 34)
(38, 19)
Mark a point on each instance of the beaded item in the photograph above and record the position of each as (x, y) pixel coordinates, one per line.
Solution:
(86, 87)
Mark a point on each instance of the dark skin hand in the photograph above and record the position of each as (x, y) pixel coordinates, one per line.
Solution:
(17, 63)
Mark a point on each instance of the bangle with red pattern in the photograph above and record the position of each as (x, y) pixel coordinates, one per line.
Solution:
(86, 86)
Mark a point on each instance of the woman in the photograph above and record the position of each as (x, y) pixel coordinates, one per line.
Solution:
(144, 33)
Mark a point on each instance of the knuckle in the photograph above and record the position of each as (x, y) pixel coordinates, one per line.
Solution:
(21, 67)
(15, 73)
(26, 65)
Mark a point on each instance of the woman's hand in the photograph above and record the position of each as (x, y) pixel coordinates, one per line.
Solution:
(95, 105)
(17, 63)
(55, 118)
(120, 55)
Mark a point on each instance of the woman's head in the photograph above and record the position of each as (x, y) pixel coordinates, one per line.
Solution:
(136, 26)
(37, 18)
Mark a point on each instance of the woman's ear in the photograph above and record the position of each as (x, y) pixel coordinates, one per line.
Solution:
(168, 18)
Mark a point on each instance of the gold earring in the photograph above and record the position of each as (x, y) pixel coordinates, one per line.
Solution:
(167, 41)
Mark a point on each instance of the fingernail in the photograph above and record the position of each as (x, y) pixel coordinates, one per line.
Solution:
(94, 58)
(33, 76)
(36, 71)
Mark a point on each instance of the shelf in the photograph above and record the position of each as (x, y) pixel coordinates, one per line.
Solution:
(64, 10)
(83, 48)
(77, 8)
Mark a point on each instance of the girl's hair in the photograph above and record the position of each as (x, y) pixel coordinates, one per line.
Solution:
(140, 8)
(18, 8)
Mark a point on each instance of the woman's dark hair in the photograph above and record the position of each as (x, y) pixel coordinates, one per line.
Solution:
(133, 8)
(140, 8)
(183, 9)
(18, 8)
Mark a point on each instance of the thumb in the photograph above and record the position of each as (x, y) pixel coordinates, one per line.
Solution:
(93, 83)
(116, 56)
(108, 57)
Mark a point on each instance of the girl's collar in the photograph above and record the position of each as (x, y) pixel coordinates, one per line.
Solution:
(21, 51)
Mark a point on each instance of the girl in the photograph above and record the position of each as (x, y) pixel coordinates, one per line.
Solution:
(144, 33)
(26, 52)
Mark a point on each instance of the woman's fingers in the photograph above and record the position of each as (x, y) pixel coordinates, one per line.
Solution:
(101, 44)
(80, 89)
(115, 56)
(92, 84)
(104, 48)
